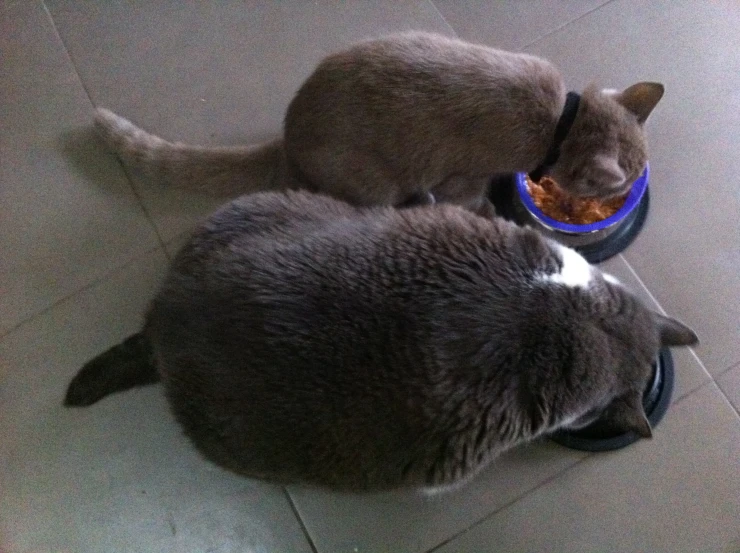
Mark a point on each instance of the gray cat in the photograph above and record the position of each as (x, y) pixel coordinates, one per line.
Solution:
(301, 339)
(415, 117)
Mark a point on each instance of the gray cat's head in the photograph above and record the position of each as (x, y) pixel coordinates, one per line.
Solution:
(626, 337)
(625, 411)
(606, 150)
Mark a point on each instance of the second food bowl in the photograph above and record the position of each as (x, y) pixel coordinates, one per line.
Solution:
(599, 436)
(595, 241)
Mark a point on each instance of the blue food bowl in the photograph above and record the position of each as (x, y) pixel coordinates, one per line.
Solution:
(624, 224)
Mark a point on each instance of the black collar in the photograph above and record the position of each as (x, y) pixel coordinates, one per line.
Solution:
(572, 100)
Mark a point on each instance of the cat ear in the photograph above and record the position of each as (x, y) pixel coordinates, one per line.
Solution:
(607, 171)
(635, 417)
(628, 414)
(641, 99)
(673, 332)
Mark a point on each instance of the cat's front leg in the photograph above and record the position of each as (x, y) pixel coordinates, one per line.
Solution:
(469, 192)
(485, 208)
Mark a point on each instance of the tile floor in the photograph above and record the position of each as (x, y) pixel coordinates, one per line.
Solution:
(82, 248)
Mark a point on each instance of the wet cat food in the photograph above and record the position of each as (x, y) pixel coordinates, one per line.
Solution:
(561, 206)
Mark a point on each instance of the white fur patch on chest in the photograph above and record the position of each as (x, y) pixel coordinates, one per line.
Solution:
(575, 271)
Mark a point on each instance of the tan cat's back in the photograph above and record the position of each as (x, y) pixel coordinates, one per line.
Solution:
(411, 110)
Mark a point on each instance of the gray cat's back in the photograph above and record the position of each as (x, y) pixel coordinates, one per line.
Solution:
(300, 339)
(428, 106)
(349, 272)
(369, 327)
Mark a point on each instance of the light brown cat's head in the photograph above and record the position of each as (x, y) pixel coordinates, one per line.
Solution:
(605, 150)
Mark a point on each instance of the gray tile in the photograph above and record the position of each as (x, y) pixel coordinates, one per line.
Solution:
(688, 254)
(409, 522)
(511, 25)
(678, 493)
(220, 73)
(174, 245)
(118, 476)
(729, 383)
(690, 373)
(67, 214)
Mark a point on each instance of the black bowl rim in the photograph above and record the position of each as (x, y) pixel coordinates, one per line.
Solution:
(666, 366)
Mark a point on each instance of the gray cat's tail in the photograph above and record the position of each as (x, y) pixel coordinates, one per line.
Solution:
(228, 171)
(127, 365)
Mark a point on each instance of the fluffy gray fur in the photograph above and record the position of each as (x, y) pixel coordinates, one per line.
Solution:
(301, 339)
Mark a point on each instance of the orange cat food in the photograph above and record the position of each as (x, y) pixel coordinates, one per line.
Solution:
(561, 206)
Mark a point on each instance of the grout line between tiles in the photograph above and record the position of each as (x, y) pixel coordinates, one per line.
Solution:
(701, 387)
(692, 392)
(300, 520)
(138, 197)
(567, 469)
(509, 503)
(728, 369)
(660, 307)
(721, 390)
(642, 283)
(94, 282)
(557, 29)
(436, 9)
(66, 50)
(732, 405)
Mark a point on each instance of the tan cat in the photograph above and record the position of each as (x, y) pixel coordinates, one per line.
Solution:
(413, 117)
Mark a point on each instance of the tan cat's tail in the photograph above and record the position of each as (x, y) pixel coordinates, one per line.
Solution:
(219, 170)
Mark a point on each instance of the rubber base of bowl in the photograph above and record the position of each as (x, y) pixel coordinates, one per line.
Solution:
(501, 194)
(572, 441)
(620, 239)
